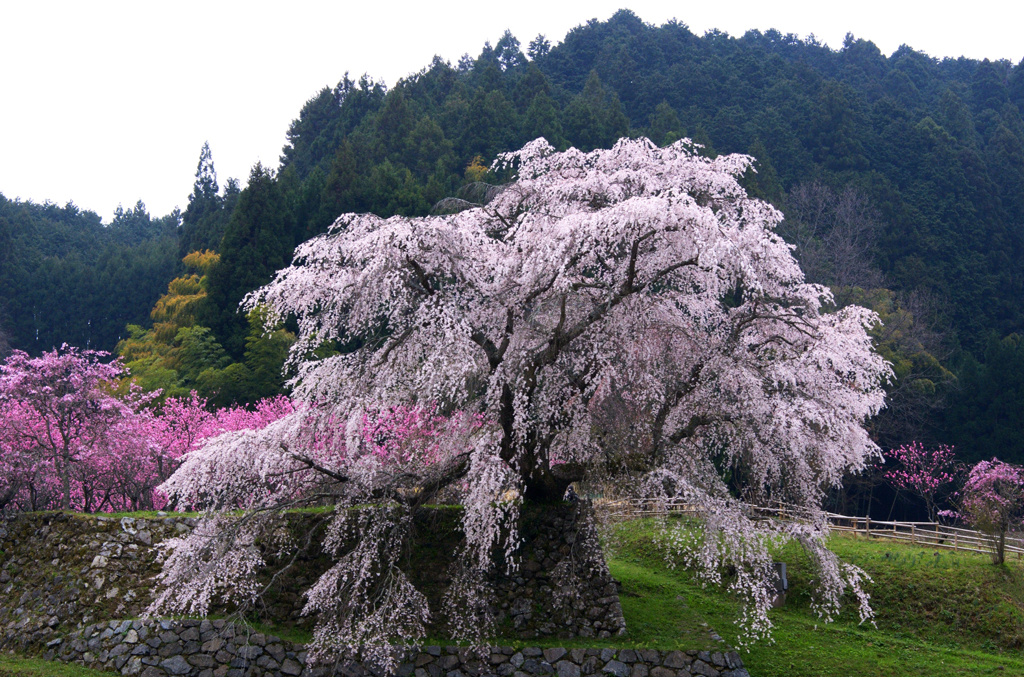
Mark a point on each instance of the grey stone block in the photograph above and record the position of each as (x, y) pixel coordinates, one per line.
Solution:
(567, 669)
(554, 654)
(176, 665)
(676, 659)
(202, 660)
(249, 652)
(531, 665)
(616, 668)
(291, 667)
(699, 667)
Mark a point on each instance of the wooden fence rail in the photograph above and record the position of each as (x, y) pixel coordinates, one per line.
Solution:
(930, 534)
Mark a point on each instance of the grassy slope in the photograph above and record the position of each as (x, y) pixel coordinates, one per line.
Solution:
(938, 613)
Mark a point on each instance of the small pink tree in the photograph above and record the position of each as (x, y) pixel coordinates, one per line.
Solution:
(21, 467)
(65, 413)
(186, 423)
(924, 472)
(993, 502)
(67, 442)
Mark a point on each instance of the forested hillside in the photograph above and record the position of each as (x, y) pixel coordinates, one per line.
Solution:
(65, 277)
(901, 176)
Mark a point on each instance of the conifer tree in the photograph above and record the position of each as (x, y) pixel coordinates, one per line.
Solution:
(258, 241)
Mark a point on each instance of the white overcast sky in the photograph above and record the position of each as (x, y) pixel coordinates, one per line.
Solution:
(106, 103)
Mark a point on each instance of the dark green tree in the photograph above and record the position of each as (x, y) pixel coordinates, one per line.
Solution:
(257, 242)
(207, 213)
(986, 413)
(539, 47)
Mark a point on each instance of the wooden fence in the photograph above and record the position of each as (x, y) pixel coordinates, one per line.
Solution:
(918, 533)
(926, 533)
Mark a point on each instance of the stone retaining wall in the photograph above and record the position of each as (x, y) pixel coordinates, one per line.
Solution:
(219, 649)
(61, 571)
(563, 587)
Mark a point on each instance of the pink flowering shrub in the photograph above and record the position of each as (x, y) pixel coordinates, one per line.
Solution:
(923, 472)
(65, 436)
(992, 501)
(403, 432)
(186, 423)
(66, 442)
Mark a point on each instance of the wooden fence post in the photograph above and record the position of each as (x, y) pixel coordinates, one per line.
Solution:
(913, 533)
(867, 526)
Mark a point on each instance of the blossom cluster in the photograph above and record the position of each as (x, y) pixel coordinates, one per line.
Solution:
(993, 496)
(992, 501)
(66, 440)
(924, 472)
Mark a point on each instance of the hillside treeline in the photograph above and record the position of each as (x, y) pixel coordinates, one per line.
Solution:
(901, 177)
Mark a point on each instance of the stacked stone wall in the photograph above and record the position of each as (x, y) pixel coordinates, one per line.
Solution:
(61, 571)
(563, 587)
(63, 576)
(219, 649)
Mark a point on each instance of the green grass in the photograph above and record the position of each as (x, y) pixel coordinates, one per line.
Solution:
(138, 514)
(17, 666)
(938, 613)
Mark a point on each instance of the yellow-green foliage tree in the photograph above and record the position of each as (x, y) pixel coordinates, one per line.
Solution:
(178, 355)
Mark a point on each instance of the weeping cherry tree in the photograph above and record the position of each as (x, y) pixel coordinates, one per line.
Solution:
(638, 273)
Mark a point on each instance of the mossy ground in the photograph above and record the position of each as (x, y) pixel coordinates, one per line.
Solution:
(18, 666)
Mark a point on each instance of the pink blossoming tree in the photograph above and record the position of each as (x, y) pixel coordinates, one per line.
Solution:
(923, 472)
(185, 423)
(66, 442)
(638, 272)
(992, 501)
(63, 417)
